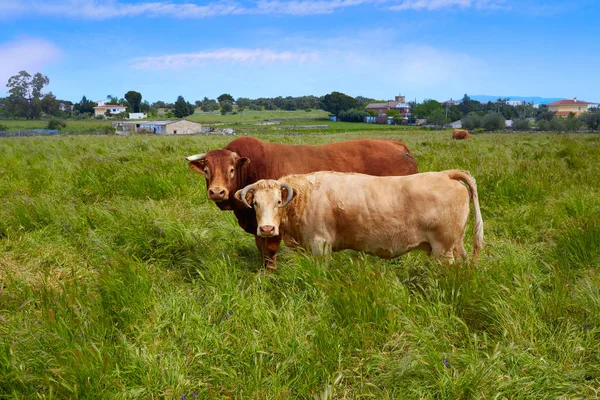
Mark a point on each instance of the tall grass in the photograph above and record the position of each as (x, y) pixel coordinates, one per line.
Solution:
(120, 279)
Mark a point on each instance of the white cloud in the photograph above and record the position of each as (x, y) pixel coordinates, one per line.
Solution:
(229, 56)
(101, 10)
(31, 55)
(433, 5)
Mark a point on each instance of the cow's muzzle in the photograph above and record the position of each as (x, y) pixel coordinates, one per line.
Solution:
(218, 194)
(267, 231)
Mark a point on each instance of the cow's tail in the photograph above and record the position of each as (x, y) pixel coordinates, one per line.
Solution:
(466, 177)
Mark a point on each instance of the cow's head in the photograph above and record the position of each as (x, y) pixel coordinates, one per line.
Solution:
(223, 170)
(266, 197)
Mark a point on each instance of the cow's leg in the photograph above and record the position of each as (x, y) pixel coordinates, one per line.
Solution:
(459, 252)
(442, 253)
(268, 247)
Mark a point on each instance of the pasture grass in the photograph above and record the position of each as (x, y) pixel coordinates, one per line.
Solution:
(73, 126)
(119, 279)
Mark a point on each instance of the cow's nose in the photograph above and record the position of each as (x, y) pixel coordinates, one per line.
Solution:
(217, 193)
(267, 230)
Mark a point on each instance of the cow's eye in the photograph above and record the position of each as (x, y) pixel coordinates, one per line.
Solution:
(231, 171)
(206, 170)
(278, 202)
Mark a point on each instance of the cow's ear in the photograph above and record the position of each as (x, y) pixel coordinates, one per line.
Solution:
(240, 162)
(198, 166)
(249, 196)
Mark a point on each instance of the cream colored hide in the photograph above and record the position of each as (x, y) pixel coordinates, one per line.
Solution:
(385, 216)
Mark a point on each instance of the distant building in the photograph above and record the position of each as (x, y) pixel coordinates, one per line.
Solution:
(112, 108)
(173, 127)
(515, 103)
(399, 104)
(450, 102)
(137, 116)
(65, 107)
(563, 108)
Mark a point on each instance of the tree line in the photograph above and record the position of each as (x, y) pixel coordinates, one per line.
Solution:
(27, 100)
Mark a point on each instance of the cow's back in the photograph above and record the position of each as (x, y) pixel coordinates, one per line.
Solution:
(385, 216)
(368, 156)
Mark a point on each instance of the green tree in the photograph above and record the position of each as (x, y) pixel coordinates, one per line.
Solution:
(468, 106)
(225, 97)
(394, 115)
(134, 99)
(49, 104)
(209, 105)
(226, 107)
(471, 121)
(353, 115)
(425, 109)
(181, 109)
(85, 106)
(591, 119)
(112, 99)
(25, 93)
(493, 122)
(335, 102)
(57, 124)
(520, 124)
(438, 118)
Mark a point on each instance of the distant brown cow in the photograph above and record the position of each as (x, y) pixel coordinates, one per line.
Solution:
(246, 160)
(386, 216)
(459, 134)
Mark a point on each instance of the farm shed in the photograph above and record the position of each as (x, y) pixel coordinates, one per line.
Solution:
(180, 127)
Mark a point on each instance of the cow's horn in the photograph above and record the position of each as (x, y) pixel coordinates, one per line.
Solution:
(290, 193)
(234, 154)
(243, 195)
(196, 157)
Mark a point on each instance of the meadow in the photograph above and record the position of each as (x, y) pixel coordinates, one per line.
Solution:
(119, 279)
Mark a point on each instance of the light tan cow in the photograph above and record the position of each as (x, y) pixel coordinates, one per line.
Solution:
(385, 216)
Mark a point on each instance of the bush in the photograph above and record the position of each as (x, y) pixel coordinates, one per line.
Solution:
(353, 115)
(56, 124)
(3, 127)
(543, 125)
(520, 125)
(471, 122)
(493, 122)
(591, 119)
(99, 117)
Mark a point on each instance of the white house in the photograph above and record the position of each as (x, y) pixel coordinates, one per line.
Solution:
(592, 105)
(137, 116)
(112, 108)
(515, 103)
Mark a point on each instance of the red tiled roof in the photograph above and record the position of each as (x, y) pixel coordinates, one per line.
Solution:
(568, 103)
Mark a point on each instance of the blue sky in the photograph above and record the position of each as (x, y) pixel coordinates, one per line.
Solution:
(375, 48)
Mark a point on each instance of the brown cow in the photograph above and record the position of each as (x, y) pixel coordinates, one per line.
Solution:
(246, 160)
(459, 134)
(385, 216)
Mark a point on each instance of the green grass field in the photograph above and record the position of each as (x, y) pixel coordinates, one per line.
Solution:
(119, 279)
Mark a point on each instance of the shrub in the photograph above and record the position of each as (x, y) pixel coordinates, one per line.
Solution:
(99, 116)
(520, 125)
(353, 115)
(56, 124)
(493, 122)
(3, 127)
(471, 122)
(591, 119)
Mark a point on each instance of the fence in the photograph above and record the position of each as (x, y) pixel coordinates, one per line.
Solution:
(29, 132)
